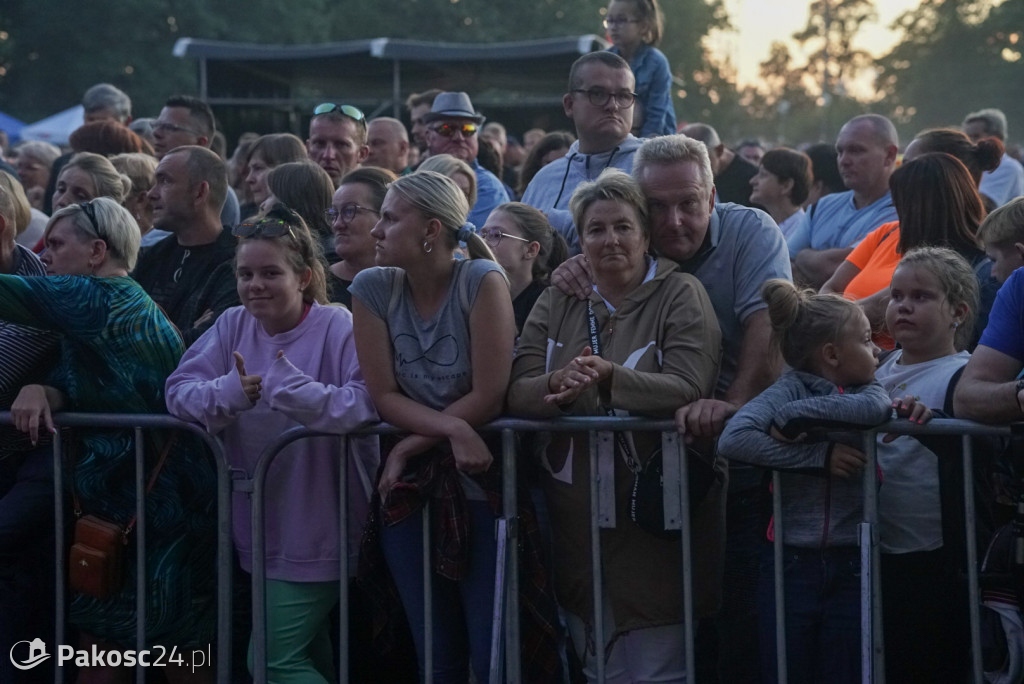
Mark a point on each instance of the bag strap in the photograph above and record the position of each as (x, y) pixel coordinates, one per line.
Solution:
(620, 437)
(168, 445)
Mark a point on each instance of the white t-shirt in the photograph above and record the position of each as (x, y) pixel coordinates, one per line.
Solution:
(909, 511)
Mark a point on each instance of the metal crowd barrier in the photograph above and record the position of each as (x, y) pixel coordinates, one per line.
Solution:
(140, 422)
(603, 515)
(872, 637)
(602, 464)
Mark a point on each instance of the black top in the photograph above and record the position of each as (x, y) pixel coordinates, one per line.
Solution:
(523, 304)
(189, 281)
(733, 183)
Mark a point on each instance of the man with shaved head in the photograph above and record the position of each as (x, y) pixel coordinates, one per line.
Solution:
(388, 142)
(866, 148)
(732, 172)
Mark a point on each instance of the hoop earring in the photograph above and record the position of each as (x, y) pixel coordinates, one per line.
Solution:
(427, 247)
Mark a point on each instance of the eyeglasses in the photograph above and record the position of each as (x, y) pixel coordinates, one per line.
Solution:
(351, 112)
(346, 213)
(448, 130)
(167, 127)
(493, 237)
(90, 213)
(619, 21)
(599, 97)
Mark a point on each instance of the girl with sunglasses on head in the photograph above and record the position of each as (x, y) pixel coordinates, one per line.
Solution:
(279, 361)
(435, 339)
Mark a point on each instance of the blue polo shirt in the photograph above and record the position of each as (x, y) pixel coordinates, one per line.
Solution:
(743, 248)
(834, 222)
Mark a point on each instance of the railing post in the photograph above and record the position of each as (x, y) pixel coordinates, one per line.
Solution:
(778, 548)
(970, 533)
(872, 639)
(343, 636)
(510, 499)
(60, 605)
(676, 496)
(428, 600)
(595, 552)
(140, 550)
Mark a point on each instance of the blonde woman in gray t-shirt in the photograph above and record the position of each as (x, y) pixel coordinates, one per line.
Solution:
(434, 338)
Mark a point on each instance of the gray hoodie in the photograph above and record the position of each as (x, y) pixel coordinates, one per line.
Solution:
(818, 509)
(554, 184)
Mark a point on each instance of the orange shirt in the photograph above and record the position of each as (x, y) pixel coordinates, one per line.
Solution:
(877, 258)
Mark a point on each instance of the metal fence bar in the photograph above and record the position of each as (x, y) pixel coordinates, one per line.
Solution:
(428, 600)
(781, 668)
(872, 636)
(60, 560)
(138, 422)
(343, 569)
(510, 500)
(140, 550)
(595, 557)
(970, 533)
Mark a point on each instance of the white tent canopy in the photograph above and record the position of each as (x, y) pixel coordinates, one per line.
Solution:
(57, 128)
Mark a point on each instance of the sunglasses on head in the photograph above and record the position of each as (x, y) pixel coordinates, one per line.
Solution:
(448, 129)
(276, 222)
(351, 112)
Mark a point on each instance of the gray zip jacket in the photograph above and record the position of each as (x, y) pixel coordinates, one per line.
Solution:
(819, 510)
(554, 184)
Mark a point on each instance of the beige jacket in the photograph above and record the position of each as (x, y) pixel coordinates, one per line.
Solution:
(665, 344)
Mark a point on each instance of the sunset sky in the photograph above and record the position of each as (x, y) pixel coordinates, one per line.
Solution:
(760, 22)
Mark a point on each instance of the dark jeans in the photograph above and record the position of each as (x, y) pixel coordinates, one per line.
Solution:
(925, 618)
(461, 610)
(737, 624)
(822, 615)
(26, 561)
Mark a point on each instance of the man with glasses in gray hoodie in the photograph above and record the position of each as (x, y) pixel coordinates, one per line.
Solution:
(600, 103)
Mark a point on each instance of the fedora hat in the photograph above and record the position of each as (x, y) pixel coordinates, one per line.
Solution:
(453, 106)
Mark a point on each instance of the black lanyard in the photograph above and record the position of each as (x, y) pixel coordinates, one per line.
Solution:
(620, 437)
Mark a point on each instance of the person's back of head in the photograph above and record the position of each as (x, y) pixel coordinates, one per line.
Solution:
(979, 157)
(1004, 227)
(703, 132)
(307, 189)
(278, 148)
(937, 203)
(988, 122)
(140, 169)
(14, 206)
(825, 169)
(104, 101)
(535, 158)
(106, 138)
(803, 322)
(456, 169)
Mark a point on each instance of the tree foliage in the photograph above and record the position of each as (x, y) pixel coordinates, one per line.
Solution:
(955, 56)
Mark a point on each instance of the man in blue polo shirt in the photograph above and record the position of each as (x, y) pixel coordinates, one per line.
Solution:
(452, 127)
(867, 147)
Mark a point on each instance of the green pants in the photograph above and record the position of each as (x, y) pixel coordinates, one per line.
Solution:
(298, 639)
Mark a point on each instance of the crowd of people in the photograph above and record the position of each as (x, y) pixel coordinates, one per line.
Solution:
(438, 277)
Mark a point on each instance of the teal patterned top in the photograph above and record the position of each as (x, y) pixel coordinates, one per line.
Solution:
(116, 351)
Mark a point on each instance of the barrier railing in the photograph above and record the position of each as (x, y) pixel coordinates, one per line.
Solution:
(872, 636)
(138, 423)
(602, 463)
(603, 515)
